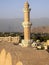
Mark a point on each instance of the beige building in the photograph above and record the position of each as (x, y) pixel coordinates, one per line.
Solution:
(26, 25)
(10, 39)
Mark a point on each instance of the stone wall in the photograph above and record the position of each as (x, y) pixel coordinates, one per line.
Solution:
(10, 39)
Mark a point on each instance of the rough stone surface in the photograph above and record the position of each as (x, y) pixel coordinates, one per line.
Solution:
(2, 57)
(28, 56)
(19, 63)
(8, 59)
(5, 59)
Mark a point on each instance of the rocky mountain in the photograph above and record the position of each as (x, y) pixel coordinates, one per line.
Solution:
(43, 29)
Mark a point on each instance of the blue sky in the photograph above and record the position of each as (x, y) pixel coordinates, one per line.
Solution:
(14, 8)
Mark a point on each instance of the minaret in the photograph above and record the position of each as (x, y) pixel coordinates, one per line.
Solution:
(27, 25)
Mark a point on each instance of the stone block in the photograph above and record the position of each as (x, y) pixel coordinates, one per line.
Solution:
(19, 63)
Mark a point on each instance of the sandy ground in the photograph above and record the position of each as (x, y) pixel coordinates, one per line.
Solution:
(28, 56)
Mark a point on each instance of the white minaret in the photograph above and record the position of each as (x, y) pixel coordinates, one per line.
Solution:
(26, 25)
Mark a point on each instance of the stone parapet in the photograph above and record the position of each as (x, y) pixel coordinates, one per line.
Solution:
(26, 9)
(26, 24)
(10, 39)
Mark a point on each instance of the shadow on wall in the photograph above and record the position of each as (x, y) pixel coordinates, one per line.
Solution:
(6, 59)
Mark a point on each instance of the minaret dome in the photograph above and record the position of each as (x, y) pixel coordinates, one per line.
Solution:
(26, 4)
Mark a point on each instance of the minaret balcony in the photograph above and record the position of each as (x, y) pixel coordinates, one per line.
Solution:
(26, 9)
(26, 24)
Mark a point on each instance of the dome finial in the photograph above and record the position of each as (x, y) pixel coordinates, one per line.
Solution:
(26, 0)
(26, 3)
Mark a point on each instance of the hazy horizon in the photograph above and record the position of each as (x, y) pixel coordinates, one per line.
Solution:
(15, 25)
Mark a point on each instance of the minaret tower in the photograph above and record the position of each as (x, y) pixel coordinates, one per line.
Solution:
(26, 25)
